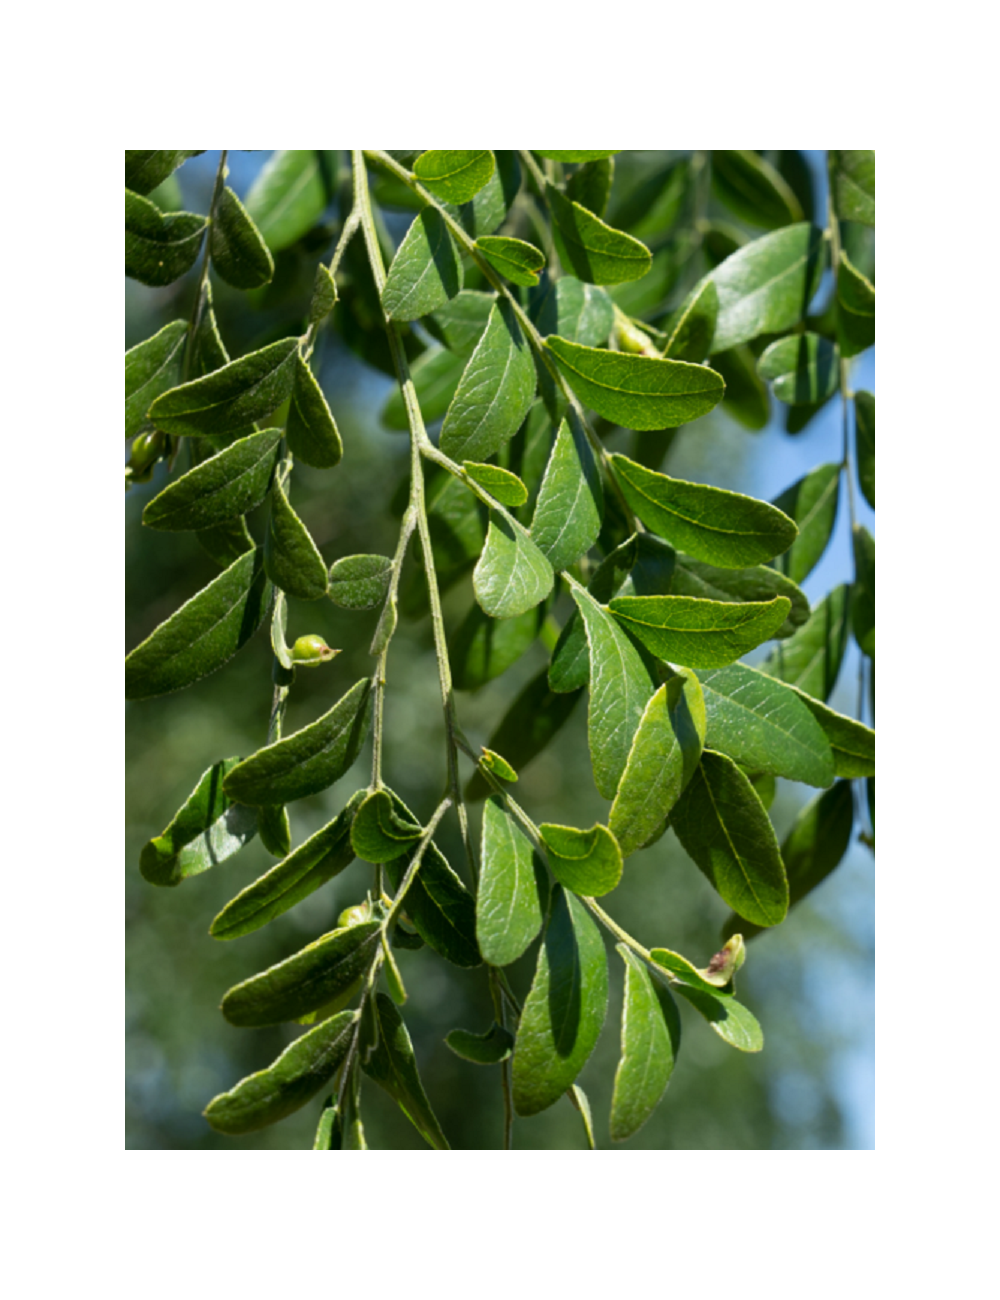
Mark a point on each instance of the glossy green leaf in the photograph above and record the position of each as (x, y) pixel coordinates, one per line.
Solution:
(311, 429)
(576, 155)
(651, 1039)
(864, 439)
(587, 862)
(637, 392)
(699, 633)
(756, 583)
(150, 369)
(863, 605)
(204, 633)
(482, 648)
(590, 185)
(692, 327)
(565, 1008)
(227, 484)
(852, 743)
(747, 399)
(663, 758)
(320, 858)
(394, 1067)
(704, 978)
(436, 374)
(315, 976)
(490, 1048)
(513, 888)
(290, 195)
(520, 262)
(145, 169)
(708, 523)
(570, 503)
(812, 503)
(811, 658)
(460, 322)
(360, 581)
(239, 253)
(583, 313)
(495, 392)
(530, 723)
(454, 174)
(379, 833)
(488, 207)
(620, 688)
(426, 271)
(852, 179)
(804, 368)
(722, 825)
(512, 574)
(329, 1130)
(298, 1074)
(730, 1019)
(497, 764)
(309, 760)
(766, 286)
(291, 558)
(754, 190)
(591, 249)
(159, 248)
(225, 543)
(855, 308)
(761, 724)
(208, 829)
(500, 483)
(230, 399)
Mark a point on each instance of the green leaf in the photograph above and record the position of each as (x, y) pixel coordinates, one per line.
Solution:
(812, 503)
(324, 297)
(482, 648)
(435, 374)
(620, 688)
(852, 179)
(864, 437)
(637, 392)
(811, 658)
(590, 186)
(488, 207)
(360, 581)
(513, 888)
(692, 326)
(454, 174)
(497, 764)
(591, 249)
(576, 155)
(723, 826)
(208, 829)
(225, 543)
(275, 830)
(311, 429)
(289, 195)
(145, 169)
(309, 760)
(856, 308)
(852, 743)
(158, 248)
(663, 758)
(723, 528)
(204, 633)
(460, 322)
(490, 1048)
(501, 484)
(699, 633)
(150, 369)
(756, 583)
(291, 558)
(495, 391)
(651, 1039)
(754, 190)
(804, 368)
(315, 976)
(426, 271)
(298, 1074)
(863, 606)
(766, 286)
(565, 1008)
(731, 1020)
(229, 399)
(329, 1131)
(527, 727)
(746, 399)
(239, 253)
(227, 484)
(581, 312)
(393, 1067)
(570, 503)
(570, 666)
(208, 352)
(512, 574)
(379, 833)
(703, 979)
(518, 261)
(588, 862)
(322, 856)
(578, 1099)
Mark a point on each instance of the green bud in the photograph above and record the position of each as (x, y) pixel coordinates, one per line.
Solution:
(310, 651)
(147, 448)
(355, 915)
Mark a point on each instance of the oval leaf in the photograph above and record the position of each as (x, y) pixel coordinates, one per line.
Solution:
(756, 583)
(593, 250)
(311, 429)
(501, 484)
(651, 1039)
(587, 862)
(220, 488)
(510, 904)
(699, 633)
(158, 248)
(490, 1048)
(290, 556)
(518, 261)
(229, 399)
(754, 190)
(145, 169)
(852, 179)
(208, 829)
(150, 369)
(693, 328)
(454, 174)
(804, 368)
(379, 833)
(580, 312)
(239, 253)
(512, 574)
(570, 503)
(360, 581)
(812, 503)
(290, 194)
(730, 1019)
(426, 271)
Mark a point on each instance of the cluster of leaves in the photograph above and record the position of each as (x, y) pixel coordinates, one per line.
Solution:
(652, 299)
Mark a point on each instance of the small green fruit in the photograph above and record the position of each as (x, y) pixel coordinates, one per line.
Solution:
(355, 915)
(310, 651)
